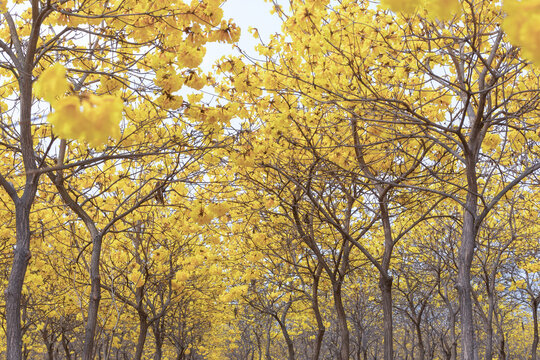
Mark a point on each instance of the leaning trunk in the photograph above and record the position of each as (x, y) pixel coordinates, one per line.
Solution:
(288, 340)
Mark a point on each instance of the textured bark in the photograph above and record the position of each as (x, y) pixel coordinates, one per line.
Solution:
(466, 252)
(342, 322)
(23, 206)
(15, 284)
(453, 349)
(489, 335)
(158, 339)
(315, 305)
(268, 342)
(95, 297)
(65, 345)
(385, 281)
(284, 331)
(534, 347)
(421, 347)
(385, 285)
(502, 352)
(143, 331)
(143, 323)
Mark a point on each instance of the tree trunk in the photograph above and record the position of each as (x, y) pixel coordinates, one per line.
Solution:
(534, 346)
(385, 281)
(143, 331)
(421, 348)
(315, 305)
(288, 340)
(95, 297)
(158, 339)
(489, 318)
(502, 352)
(65, 345)
(466, 253)
(342, 321)
(489, 340)
(268, 356)
(453, 349)
(23, 206)
(16, 281)
(50, 350)
(385, 284)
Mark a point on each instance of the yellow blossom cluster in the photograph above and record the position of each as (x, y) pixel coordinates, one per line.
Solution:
(441, 9)
(84, 117)
(521, 26)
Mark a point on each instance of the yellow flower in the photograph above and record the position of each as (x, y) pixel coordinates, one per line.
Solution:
(441, 9)
(137, 278)
(406, 6)
(520, 24)
(52, 83)
(91, 118)
(65, 117)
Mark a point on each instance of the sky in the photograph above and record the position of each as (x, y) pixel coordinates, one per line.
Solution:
(245, 13)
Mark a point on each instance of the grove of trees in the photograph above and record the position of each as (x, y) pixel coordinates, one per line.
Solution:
(365, 187)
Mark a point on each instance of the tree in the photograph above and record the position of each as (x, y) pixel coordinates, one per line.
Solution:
(434, 107)
(109, 48)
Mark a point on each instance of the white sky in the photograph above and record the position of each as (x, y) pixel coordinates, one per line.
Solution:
(245, 13)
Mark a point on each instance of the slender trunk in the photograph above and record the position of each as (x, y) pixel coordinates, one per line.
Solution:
(259, 345)
(385, 281)
(158, 338)
(489, 341)
(48, 341)
(143, 331)
(65, 345)
(453, 349)
(318, 316)
(23, 206)
(534, 346)
(180, 354)
(342, 321)
(489, 322)
(421, 348)
(95, 297)
(268, 340)
(50, 351)
(385, 285)
(502, 352)
(16, 280)
(466, 252)
(288, 340)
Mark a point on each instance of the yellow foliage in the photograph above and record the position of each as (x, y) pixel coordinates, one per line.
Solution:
(181, 276)
(491, 141)
(137, 278)
(521, 26)
(52, 83)
(91, 118)
(441, 9)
